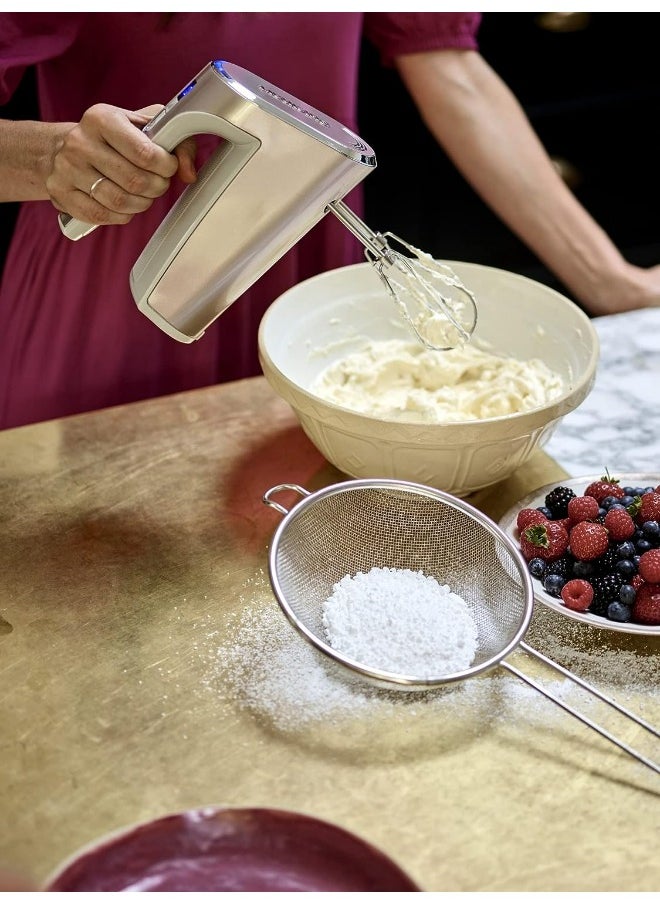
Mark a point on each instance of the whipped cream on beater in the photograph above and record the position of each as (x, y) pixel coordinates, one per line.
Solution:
(402, 380)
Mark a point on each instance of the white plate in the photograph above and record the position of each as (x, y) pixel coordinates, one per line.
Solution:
(578, 485)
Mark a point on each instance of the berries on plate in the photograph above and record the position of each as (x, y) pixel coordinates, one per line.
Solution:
(544, 541)
(529, 516)
(557, 501)
(588, 540)
(619, 524)
(649, 566)
(598, 551)
(646, 608)
(606, 486)
(577, 594)
(649, 509)
(583, 508)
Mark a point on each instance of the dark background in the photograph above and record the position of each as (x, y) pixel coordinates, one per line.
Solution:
(590, 84)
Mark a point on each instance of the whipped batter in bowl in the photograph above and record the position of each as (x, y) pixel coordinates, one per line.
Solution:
(458, 420)
(400, 380)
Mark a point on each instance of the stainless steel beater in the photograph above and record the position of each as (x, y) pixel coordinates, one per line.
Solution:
(439, 308)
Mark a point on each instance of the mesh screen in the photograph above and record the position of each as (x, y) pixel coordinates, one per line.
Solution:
(353, 530)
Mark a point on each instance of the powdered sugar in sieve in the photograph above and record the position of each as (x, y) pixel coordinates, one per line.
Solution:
(402, 621)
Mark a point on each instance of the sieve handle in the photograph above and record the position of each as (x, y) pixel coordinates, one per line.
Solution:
(582, 718)
(266, 498)
(590, 688)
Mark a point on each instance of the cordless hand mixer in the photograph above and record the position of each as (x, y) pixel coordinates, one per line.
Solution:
(281, 167)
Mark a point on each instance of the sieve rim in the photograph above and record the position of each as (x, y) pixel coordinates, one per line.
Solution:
(382, 677)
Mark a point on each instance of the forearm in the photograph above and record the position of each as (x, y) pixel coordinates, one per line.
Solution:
(27, 150)
(483, 129)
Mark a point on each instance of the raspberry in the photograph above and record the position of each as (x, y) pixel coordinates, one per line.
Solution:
(649, 566)
(588, 540)
(649, 509)
(577, 595)
(606, 486)
(619, 524)
(527, 517)
(646, 608)
(544, 541)
(582, 508)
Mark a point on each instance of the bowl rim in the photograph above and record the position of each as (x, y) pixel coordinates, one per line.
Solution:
(556, 408)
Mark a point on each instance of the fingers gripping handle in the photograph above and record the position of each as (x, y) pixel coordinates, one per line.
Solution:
(168, 129)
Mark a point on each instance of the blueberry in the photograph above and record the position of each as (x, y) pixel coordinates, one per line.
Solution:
(626, 568)
(619, 612)
(553, 584)
(627, 594)
(625, 550)
(536, 568)
(608, 502)
(630, 491)
(545, 511)
(635, 561)
(643, 546)
(651, 530)
(626, 500)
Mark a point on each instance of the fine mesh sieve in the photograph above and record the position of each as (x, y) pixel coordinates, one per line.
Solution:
(358, 525)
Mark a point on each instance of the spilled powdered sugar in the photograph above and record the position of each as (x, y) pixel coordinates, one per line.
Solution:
(400, 621)
(263, 666)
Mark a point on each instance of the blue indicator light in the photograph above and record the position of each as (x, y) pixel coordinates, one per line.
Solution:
(186, 90)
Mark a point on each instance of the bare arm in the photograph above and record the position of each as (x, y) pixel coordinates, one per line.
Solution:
(483, 129)
(61, 161)
(27, 150)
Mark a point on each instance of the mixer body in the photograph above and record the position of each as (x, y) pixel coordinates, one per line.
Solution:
(268, 183)
(262, 190)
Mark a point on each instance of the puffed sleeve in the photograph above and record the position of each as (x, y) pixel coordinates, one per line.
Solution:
(30, 38)
(398, 33)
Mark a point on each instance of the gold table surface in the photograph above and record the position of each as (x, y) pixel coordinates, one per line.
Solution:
(133, 541)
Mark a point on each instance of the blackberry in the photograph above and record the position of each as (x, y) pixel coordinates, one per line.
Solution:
(557, 501)
(600, 608)
(563, 566)
(606, 564)
(606, 588)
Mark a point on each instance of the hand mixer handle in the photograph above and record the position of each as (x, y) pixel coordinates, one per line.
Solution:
(180, 119)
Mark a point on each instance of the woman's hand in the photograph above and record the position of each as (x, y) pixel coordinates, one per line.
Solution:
(105, 169)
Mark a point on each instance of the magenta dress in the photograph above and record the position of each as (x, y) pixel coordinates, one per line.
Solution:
(71, 338)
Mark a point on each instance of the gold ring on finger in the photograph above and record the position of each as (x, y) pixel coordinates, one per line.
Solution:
(95, 186)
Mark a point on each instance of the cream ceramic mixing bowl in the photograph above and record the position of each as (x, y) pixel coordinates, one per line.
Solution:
(331, 315)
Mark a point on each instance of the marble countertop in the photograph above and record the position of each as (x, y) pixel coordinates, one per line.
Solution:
(617, 427)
